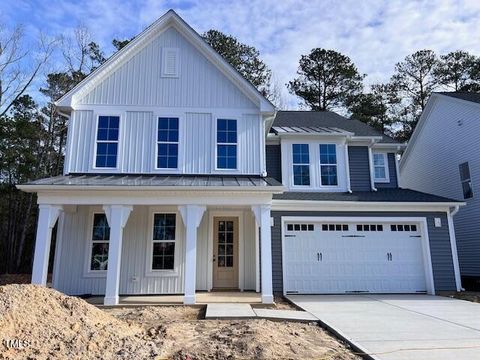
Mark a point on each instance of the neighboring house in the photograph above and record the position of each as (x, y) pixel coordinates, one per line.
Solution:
(443, 158)
(165, 189)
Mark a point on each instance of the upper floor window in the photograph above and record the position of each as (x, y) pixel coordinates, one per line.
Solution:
(328, 164)
(100, 241)
(226, 144)
(167, 143)
(466, 180)
(380, 167)
(301, 164)
(107, 141)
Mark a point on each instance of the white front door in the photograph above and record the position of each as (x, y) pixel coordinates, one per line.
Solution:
(350, 257)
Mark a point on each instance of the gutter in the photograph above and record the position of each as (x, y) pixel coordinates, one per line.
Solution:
(51, 188)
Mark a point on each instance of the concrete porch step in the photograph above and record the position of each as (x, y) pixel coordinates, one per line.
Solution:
(229, 311)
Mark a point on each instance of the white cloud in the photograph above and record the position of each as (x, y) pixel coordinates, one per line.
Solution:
(375, 34)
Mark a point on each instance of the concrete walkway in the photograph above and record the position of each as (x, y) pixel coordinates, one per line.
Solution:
(400, 327)
(245, 311)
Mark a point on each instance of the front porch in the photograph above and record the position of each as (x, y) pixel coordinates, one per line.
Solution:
(202, 298)
(189, 242)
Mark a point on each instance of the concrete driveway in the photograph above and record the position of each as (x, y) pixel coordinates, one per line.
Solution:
(400, 327)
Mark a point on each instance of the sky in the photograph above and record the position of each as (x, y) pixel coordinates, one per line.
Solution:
(375, 34)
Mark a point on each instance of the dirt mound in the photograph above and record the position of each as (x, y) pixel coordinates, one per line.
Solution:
(53, 325)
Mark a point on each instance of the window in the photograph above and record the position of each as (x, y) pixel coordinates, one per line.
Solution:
(403, 227)
(167, 143)
(170, 62)
(466, 180)
(301, 164)
(300, 227)
(100, 240)
(226, 144)
(380, 167)
(107, 141)
(163, 256)
(334, 227)
(328, 164)
(369, 227)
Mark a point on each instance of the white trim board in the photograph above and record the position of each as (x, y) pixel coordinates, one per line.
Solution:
(421, 221)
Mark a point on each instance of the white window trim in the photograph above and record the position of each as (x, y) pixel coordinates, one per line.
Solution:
(292, 164)
(387, 170)
(215, 127)
(165, 51)
(95, 143)
(157, 142)
(149, 271)
(314, 150)
(320, 166)
(88, 272)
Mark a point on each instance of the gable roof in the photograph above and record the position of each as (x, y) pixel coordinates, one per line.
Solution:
(169, 19)
(327, 119)
(468, 96)
(473, 98)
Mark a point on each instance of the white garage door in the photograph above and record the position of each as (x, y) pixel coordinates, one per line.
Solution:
(329, 257)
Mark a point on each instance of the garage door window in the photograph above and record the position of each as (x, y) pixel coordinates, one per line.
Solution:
(334, 227)
(369, 227)
(300, 227)
(403, 227)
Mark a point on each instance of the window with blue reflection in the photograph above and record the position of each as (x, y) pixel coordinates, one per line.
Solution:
(167, 143)
(301, 164)
(328, 164)
(226, 144)
(107, 141)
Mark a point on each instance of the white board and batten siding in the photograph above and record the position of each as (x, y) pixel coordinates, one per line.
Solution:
(72, 253)
(450, 137)
(198, 96)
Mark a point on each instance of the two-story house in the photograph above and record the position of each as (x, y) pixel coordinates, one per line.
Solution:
(443, 159)
(180, 177)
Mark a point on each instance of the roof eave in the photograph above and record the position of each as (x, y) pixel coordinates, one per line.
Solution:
(60, 188)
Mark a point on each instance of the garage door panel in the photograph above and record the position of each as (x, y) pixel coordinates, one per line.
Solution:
(354, 257)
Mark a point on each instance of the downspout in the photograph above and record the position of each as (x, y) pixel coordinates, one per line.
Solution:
(370, 160)
(453, 243)
(397, 166)
(347, 165)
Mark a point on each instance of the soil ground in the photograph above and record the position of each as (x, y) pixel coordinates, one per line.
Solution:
(50, 325)
(473, 296)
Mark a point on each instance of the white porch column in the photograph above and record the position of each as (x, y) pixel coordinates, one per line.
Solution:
(47, 217)
(191, 216)
(262, 216)
(117, 216)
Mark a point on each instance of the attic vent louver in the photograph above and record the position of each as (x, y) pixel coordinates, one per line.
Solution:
(170, 62)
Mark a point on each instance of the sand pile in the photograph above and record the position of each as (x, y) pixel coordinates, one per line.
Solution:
(53, 325)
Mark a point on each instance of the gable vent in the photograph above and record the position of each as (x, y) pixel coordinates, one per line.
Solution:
(170, 62)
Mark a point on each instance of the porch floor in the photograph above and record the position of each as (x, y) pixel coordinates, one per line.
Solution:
(245, 297)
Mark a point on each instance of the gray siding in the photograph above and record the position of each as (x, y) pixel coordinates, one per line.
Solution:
(392, 171)
(448, 138)
(274, 162)
(359, 168)
(442, 263)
